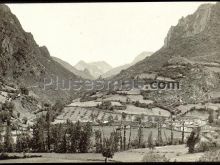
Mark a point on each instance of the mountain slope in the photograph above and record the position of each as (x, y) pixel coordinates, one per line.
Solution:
(195, 37)
(140, 57)
(84, 74)
(23, 62)
(190, 55)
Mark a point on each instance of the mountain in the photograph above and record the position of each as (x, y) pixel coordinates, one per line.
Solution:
(95, 68)
(24, 62)
(118, 69)
(115, 71)
(84, 74)
(141, 56)
(190, 55)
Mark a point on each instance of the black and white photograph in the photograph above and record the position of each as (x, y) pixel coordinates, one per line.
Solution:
(107, 82)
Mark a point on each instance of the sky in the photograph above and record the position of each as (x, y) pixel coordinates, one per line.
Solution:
(111, 32)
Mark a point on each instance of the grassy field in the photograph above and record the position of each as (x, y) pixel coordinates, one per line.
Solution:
(56, 158)
(177, 153)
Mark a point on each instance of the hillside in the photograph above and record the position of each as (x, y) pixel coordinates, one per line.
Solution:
(190, 55)
(24, 62)
(84, 74)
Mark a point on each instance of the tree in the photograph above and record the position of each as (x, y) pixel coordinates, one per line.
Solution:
(8, 141)
(211, 116)
(159, 138)
(150, 142)
(183, 131)
(85, 142)
(193, 139)
(1, 145)
(18, 114)
(58, 106)
(24, 90)
(107, 150)
(23, 142)
(63, 146)
(48, 123)
(24, 120)
(75, 135)
(139, 119)
(38, 139)
(129, 141)
(56, 133)
(110, 119)
(123, 117)
(140, 136)
(171, 130)
(98, 141)
(150, 119)
(115, 140)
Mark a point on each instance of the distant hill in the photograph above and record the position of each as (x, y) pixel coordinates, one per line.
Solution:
(95, 68)
(118, 69)
(84, 74)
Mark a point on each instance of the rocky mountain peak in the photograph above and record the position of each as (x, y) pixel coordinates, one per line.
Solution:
(190, 25)
(4, 8)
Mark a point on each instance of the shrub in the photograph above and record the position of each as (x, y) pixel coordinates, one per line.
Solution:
(204, 146)
(24, 90)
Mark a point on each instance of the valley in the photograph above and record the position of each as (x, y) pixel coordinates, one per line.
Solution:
(170, 112)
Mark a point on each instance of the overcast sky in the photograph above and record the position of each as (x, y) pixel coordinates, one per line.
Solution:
(113, 32)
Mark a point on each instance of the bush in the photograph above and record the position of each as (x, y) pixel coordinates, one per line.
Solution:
(154, 157)
(4, 156)
(204, 146)
(24, 90)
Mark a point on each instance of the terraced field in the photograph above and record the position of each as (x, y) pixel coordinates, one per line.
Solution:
(199, 109)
